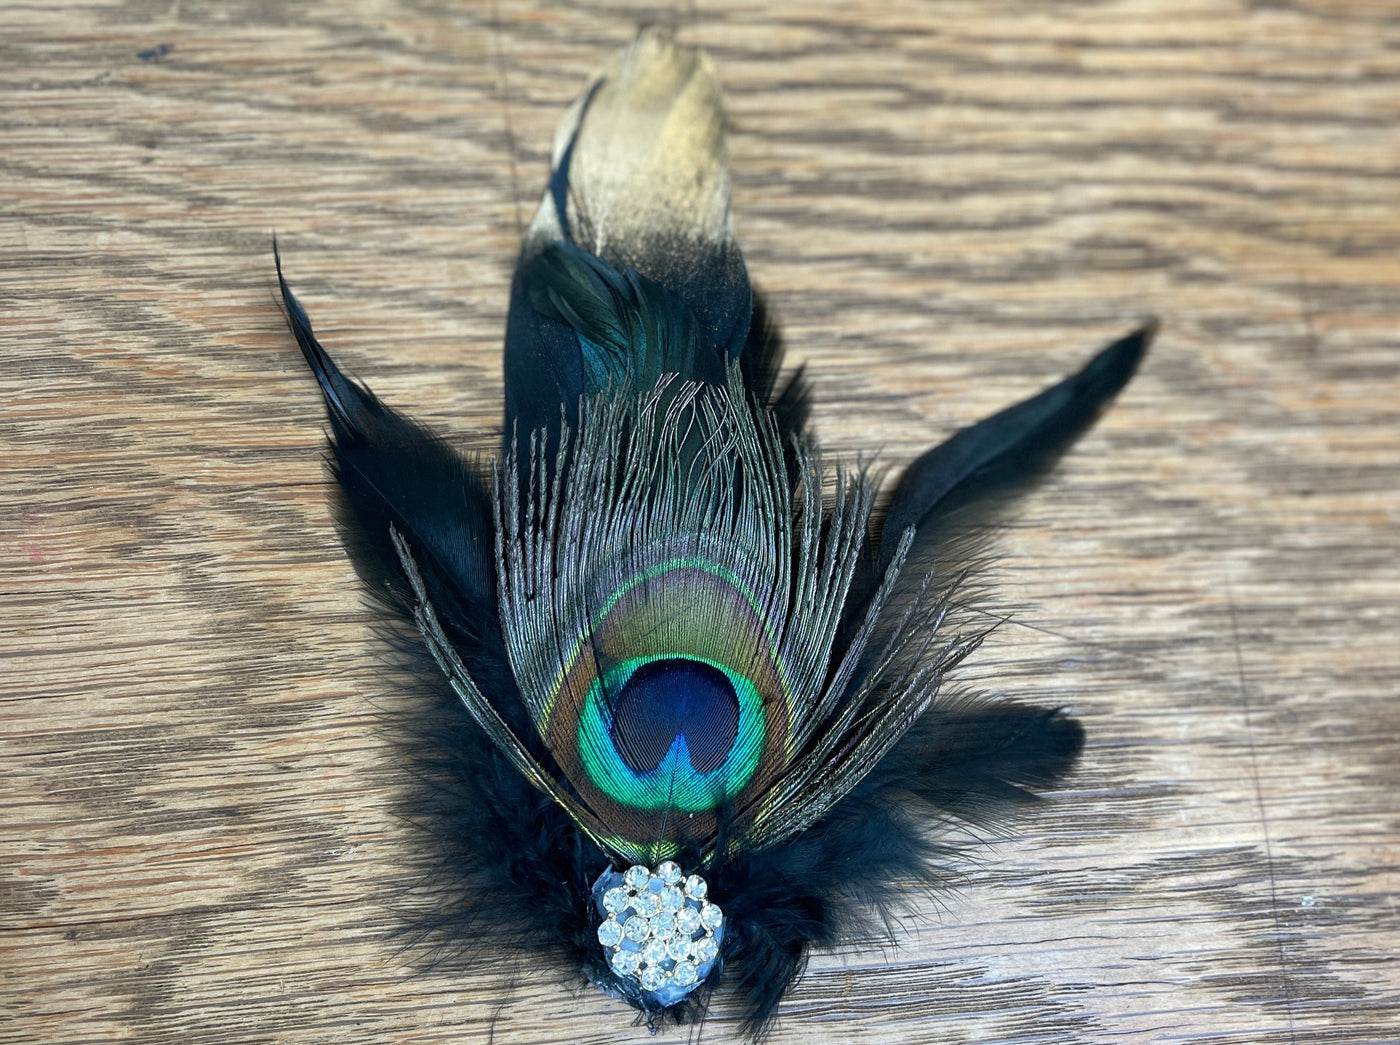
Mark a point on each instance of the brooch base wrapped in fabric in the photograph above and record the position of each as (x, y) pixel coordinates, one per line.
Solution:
(696, 670)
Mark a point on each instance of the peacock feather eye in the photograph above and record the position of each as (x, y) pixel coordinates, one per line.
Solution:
(675, 700)
(674, 635)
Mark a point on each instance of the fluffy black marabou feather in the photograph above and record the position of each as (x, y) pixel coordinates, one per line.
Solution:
(513, 871)
(969, 765)
(508, 874)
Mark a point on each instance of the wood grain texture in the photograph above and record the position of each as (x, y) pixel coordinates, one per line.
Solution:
(950, 205)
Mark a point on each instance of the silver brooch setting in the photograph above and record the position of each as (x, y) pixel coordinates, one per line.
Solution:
(660, 933)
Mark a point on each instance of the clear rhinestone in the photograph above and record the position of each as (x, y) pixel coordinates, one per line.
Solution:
(637, 876)
(626, 963)
(706, 950)
(615, 900)
(637, 928)
(669, 872)
(685, 974)
(711, 917)
(678, 947)
(688, 921)
(695, 887)
(654, 952)
(652, 979)
(610, 933)
(646, 903)
(672, 899)
(663, 925)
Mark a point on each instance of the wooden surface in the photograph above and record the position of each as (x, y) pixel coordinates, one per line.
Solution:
(950, 205)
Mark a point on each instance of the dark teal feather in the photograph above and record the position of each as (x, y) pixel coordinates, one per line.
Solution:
(631, 332)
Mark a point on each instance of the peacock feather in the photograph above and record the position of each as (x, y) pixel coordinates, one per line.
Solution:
(662, 612)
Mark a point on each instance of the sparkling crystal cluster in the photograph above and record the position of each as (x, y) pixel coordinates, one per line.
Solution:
(660, 930)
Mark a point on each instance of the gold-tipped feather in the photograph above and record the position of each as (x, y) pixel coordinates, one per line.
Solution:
(647, 160)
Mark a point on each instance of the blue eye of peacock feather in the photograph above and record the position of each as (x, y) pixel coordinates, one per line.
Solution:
(668, 699)
(671, 732)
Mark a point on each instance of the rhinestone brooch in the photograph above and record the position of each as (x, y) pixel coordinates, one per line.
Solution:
(660, 934)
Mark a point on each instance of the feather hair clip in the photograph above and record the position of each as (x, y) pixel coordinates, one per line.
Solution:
(697, 676)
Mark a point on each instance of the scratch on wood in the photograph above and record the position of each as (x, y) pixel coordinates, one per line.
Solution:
(1263, 812)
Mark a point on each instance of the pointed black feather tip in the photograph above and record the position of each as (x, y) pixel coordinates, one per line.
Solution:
(394, 474)
(1012, 446)
(339, 393)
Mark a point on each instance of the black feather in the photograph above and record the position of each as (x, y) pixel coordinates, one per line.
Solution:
(395, 475)
(1011, 446)
(393, 471)
(629, 331)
